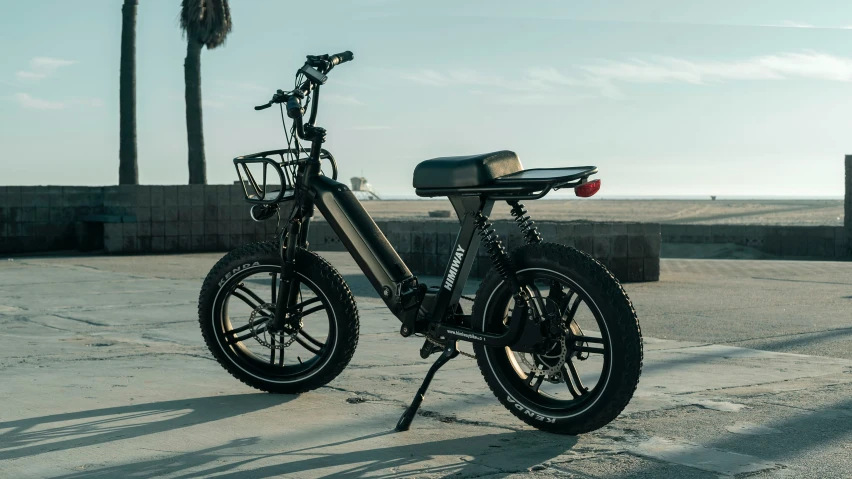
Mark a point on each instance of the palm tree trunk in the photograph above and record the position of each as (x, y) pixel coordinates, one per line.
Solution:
(194, 127)
(128, 173)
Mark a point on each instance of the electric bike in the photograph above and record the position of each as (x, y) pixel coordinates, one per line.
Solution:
(554, 334)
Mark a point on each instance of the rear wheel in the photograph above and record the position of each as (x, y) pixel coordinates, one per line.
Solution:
(237, 302)
(586, 370)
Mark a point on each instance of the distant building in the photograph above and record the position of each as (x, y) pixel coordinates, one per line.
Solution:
(362, 189)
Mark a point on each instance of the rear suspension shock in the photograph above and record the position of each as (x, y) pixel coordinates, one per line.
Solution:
(526, 225)
(499, 257)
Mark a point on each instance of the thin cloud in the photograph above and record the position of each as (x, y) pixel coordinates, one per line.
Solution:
(42, 67)
(540, 86)
(26, 75)
(549, 86)
(536, 99)
(426, 77)
(32, 103)
(462, 76)
(794, 24)
(49, 64)
(810, 65)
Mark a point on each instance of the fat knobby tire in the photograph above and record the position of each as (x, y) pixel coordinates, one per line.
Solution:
(317, 270)
(621, 322)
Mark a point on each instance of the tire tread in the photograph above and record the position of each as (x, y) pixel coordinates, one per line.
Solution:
(333, 285)
(624, 328)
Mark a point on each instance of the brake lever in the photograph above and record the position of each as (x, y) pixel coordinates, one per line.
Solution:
(278, 97)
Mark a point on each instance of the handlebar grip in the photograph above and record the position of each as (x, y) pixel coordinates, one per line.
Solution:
(343, 57)
(263, 107)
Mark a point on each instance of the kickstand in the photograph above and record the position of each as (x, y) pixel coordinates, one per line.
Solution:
(449, 353)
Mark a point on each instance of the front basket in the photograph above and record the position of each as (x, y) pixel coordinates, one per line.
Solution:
(259, 184)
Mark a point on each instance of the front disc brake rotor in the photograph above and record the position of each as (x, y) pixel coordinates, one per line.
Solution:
(271, 340)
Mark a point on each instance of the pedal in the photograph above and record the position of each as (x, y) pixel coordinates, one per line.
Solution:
(429, 348)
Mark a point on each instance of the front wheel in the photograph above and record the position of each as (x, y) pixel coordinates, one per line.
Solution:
(584, 373)
(238, 300)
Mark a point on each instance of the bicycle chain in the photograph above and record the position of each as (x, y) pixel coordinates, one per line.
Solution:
(263, 341)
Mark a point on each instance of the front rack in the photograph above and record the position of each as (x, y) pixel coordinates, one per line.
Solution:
(265, 192)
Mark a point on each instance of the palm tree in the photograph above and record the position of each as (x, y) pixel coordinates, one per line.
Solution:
(128, 173)
(204, 23)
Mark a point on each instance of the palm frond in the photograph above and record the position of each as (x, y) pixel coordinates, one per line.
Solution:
(206, 21)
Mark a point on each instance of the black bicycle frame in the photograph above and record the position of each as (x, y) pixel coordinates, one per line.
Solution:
(377, 258)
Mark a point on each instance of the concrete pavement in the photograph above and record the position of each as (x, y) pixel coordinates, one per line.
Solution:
(747, 371)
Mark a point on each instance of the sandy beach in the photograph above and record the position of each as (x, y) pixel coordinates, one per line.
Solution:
(758, 212)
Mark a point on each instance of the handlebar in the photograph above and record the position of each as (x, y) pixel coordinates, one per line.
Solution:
(321, 64)
(343, 57)
(324, 64)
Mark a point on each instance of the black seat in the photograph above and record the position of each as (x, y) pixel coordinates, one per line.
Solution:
(465, 171)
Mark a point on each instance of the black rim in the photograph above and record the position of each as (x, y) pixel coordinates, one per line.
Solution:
(245, 340)
(587, 355)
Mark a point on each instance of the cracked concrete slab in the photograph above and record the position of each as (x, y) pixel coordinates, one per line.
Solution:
(105, 375)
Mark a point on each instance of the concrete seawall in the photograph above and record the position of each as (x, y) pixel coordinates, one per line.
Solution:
(792, 242)
(631, 251)
(194, 218)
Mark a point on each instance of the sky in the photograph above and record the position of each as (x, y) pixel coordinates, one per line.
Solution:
(667, 98)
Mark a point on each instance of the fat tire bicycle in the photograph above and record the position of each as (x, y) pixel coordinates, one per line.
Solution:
(554, 334)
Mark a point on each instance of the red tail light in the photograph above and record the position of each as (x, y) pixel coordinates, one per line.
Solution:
(587, 189)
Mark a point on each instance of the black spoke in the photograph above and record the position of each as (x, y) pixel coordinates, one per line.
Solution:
(573, 310)
(556, 287)
(272, 357)
(274, 285)
(538, 381)
(538, 299)
(311, 338)
(587, 349)
(251, 293)
(238, 339)
(576, 377)
(307, 346)
(587, 339)
(295, 308)
(247, 326)
(249, 302)
(311, 311)
(557, 294)
(305, 303)
(566, 301)
(568, 382)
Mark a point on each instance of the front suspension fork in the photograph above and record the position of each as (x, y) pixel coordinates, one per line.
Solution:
(288, 290)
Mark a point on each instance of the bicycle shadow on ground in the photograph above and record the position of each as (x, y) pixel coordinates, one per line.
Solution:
(27, 437)
(488, 454)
